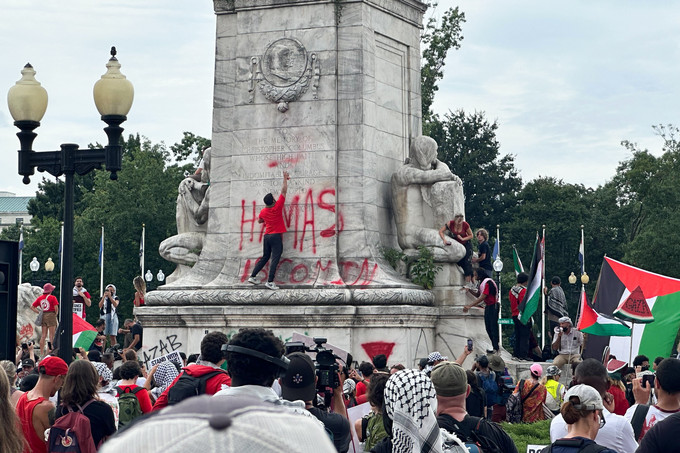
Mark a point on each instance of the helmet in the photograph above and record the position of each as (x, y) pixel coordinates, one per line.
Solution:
(553, 371)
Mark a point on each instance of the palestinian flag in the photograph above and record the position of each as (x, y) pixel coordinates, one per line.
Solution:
(623, 287)
(83, 333)
(529, 305)
(516, 261)
(595, 323)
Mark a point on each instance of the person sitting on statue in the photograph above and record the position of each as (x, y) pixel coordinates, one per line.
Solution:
(424, 191)
(460, 230)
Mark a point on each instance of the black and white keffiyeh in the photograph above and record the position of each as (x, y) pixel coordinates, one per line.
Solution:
(165, 374)
(410, 401)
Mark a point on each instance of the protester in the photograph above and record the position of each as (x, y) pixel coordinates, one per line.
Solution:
(409, 417)
(583, 412)
(555, 391)
(34, 406)
(11, 373)
(450, 382)
(108, 306)
(299, 384)
(657, 361)
(616, 387)
(522, 330)
(129, 372)
(162, 375)
(370, 429)
(460, 230)
(362, 378)
(567, 341)
(667, 389)
(556, 306)
(487, 381)
(380, 363)
(483, 258)
(487, 294)
(662, 437)
(82, 297)
(79, 393)
(11, 437)
(136, 332)
(475, 403)
(532, 394)
(397, 367)
(105, 389)
(140, 291)
(617, 433)
(49, 307)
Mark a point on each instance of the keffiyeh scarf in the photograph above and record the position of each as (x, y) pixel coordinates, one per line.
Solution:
(410, 401)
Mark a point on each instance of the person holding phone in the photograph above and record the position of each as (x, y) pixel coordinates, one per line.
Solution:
(108, 305)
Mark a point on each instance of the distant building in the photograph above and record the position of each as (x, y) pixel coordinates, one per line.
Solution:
(13, 210)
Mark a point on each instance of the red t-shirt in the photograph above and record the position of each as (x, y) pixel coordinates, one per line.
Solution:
(47, 302)
(463, 231)
(80, 299)
(273, 217)
(142, 397)
(484, 289)
(516, 300)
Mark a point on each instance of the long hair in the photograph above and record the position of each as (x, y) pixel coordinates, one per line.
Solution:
(80, 385)
(139, 284)
(11, 437)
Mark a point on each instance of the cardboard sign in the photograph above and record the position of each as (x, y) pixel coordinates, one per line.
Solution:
(172, 357)
(535, 448)
(78, 308)
(354, 414)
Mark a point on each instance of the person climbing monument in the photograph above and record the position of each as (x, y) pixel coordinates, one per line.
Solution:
(272, 245)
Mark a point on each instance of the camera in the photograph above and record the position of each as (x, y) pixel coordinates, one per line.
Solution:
(325, 363)
(24, 346)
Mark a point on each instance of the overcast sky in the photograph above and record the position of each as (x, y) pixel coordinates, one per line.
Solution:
(567, 81)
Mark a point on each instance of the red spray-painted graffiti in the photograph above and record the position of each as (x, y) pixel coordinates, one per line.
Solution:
(25, 332)
(307, 272)
(378, 347)
(298, 219)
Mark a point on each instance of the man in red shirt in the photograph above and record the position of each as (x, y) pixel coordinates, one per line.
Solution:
(272, 217)
(517, 294)
(80, 297)
(50, 308)
(34, 406)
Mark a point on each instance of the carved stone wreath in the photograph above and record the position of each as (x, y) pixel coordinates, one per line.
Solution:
(284, 72)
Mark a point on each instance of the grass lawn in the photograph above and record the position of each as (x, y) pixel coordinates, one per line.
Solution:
(524, 434)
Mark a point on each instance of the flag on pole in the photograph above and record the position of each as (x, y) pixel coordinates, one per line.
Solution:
(21, 240)
(496, 249)
(581, 253)
(141, 251)
(83, 333)
(101, 249)
(530, 303)
(596, 323)
(619, 282)
(516, 261)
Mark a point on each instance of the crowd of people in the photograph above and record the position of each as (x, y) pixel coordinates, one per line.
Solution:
(249, 392)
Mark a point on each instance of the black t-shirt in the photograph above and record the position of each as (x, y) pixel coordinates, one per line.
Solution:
(662, 437)
(486, 262)
(101, 418)
(475, 403)
(487, 430)
(337, 425)
(137, 329)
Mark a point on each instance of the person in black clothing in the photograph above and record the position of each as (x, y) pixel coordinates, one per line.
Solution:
(136, 332)
(299, 383)
(80, 388)
(475, 403)
(451, 384)
(483, 257)
(662, 437)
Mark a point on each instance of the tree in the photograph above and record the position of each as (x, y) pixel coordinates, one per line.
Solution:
(468, 145)
(437, 40)
(190, 144)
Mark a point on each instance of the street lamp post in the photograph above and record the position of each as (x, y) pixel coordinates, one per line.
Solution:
(27, 101)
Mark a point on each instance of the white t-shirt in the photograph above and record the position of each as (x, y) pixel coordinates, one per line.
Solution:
(654, 415)
(617, 433)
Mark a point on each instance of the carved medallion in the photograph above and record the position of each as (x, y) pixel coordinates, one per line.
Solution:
(284, 72)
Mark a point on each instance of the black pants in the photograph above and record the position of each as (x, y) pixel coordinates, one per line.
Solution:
(491, 324)
(521, 338)
(272, 248)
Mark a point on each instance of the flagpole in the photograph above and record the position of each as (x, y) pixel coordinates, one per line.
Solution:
(61, 258)
(141, 254)
(21, 251)
(101, 264)
(543, 332)
(500, 326)
(582, 252)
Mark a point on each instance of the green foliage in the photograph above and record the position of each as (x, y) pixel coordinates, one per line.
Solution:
(468, 145)
(437, 39)
(524, 434)
(393, 256)
(190, 145)
(424, 270)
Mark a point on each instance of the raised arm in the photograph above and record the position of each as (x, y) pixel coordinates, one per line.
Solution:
(284, 187)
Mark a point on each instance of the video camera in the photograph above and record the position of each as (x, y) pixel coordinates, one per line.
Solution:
(325, 363)
(116, 349)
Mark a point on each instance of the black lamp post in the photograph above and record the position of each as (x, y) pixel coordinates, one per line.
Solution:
(27, 101)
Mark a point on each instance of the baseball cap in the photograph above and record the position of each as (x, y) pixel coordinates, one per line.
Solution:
(589, 398)
(269, 199)
(449, 379)
(229, 424)
(299, 382)
(54, 366)
(553, 370)
(48, 288)
(27, 362)
(536, 369)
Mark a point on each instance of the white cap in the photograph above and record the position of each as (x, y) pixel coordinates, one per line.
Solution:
(589, 398)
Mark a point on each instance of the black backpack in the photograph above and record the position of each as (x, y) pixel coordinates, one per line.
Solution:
(575, 443)
(468, 432)
(639, 419)
(188, 386)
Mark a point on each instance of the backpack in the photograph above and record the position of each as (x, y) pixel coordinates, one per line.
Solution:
(188, 386)
(488, 384)
(72, 433)
(515, 406)
(129, 405)
(506, 386)
(575, 443)
(639, 419)
(467, 431)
